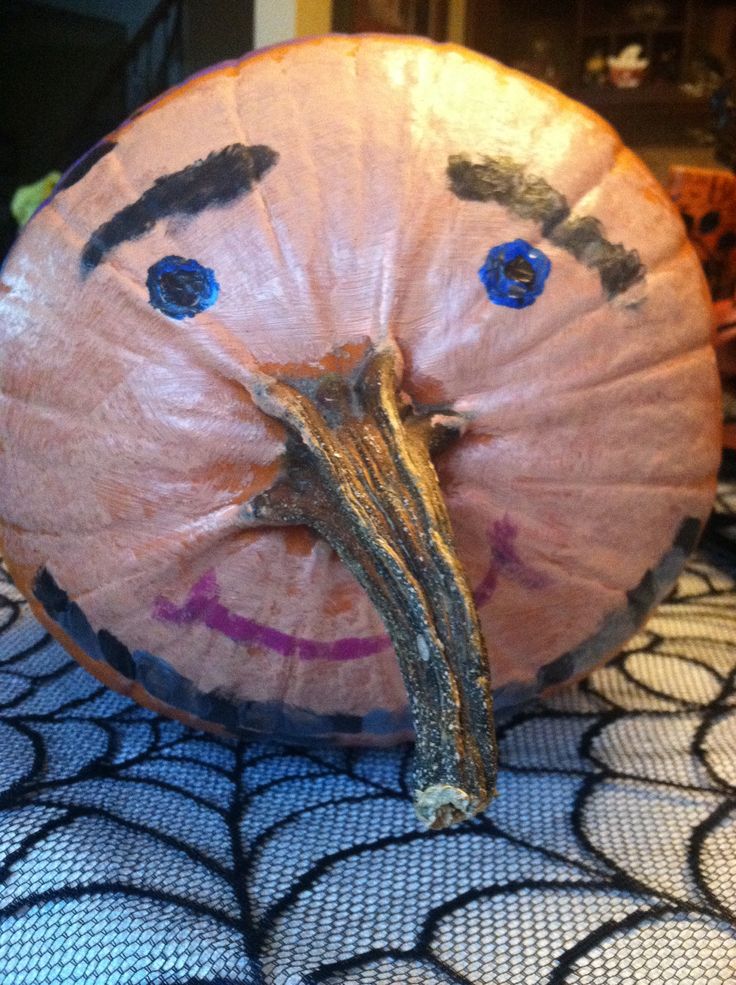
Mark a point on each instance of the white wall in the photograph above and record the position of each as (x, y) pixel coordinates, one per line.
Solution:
(275, 20)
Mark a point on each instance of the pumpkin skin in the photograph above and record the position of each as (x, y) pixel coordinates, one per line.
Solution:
(130, 443)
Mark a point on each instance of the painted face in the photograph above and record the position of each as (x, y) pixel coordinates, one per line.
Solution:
(180, 287)
(229, 228)
(514, 273)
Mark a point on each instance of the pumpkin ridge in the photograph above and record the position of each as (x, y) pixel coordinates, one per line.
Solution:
(139, 292)
(571, 108)
(421, 244)
(588, 576)
(385, 296)
(668, 261)
(278, 50)
(193, 550)
(618, 154)
(669, 362)
(63, 217)
(320, 311)
(625, 160)
(56, 205)
(575, 204)
(274, 52)
(618, 483)
(288, 721)
(559, 227)
(558, 326)
(357, 166)
(166, 610)
(123, 179)
(230, 67)
(565, 531)
(257, 196)
(83, 165)
(234, 108)
(407, 245)
(656, 190)
(31, 402)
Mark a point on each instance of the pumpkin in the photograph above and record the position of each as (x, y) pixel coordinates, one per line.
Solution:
(333, 363)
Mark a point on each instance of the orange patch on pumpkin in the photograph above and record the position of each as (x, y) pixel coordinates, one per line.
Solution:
(341, 360)
(298, 541)
(263, 477)
(341, 600)
(224, 475)
(422, 389)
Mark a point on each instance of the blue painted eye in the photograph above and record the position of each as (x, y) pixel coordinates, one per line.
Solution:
(514, 274)
(181, 288)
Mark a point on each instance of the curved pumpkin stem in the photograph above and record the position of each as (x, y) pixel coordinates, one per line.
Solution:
(358, 472)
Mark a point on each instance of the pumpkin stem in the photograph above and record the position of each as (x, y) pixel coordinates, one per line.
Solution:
(358, 472)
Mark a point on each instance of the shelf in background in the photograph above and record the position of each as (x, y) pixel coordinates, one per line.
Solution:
(654, 113)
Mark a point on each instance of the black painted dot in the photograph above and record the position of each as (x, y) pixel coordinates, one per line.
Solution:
(688, 534)
(74, 622)
(688, 220)
(727, 241)
(642, 598)
(54, 599)
(710, 221)
(519, 270)
(116, 653)
(557, 671)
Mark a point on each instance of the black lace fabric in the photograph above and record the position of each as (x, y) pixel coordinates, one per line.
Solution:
(135, 851)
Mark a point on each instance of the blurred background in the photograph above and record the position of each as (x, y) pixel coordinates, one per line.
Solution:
(73, 69)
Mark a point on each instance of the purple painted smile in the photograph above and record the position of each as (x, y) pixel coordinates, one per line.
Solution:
(203, 606)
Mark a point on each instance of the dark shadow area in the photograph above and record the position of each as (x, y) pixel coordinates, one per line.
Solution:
(72, 70)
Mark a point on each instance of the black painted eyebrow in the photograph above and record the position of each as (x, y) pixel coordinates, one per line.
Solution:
(505, 181)
(219, 178)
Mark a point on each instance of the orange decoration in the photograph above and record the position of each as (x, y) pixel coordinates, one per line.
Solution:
(235, 336)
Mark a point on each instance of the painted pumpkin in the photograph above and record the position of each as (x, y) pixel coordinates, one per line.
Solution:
(247, 324)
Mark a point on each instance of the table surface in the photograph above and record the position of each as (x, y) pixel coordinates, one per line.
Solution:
(135, 850)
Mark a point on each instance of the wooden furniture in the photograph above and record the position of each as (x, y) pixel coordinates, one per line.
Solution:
(428, 17)
(663, 28)
(554, 39)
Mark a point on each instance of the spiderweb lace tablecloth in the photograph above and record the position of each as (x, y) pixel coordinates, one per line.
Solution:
(134, 850)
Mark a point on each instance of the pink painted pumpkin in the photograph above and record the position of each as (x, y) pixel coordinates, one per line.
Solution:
(276, 216)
